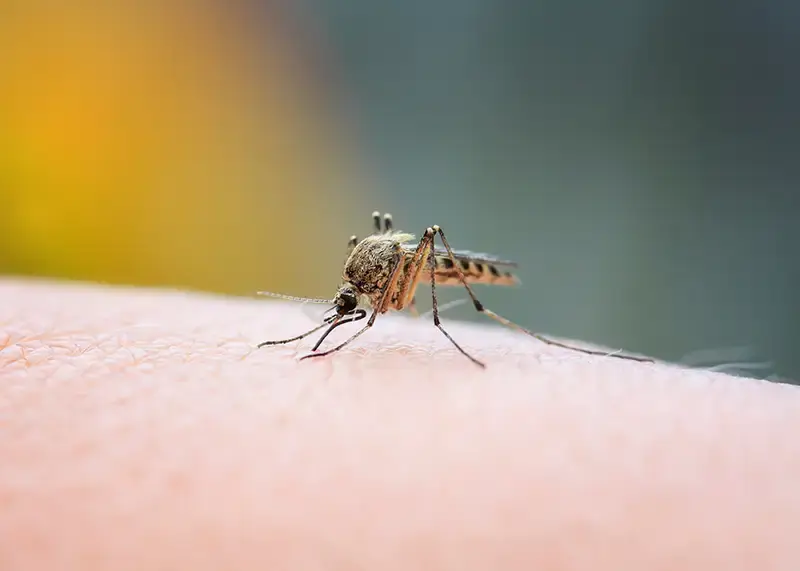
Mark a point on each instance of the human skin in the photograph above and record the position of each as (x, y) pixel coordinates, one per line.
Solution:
(141, 429)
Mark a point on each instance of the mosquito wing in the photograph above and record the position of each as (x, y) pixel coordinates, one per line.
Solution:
(477, 257)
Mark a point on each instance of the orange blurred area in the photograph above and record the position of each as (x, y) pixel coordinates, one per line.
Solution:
(178, 144)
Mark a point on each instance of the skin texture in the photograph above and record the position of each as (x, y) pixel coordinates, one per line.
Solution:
(142, 430)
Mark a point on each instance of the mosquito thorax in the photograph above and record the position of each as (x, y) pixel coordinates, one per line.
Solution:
(371, 262)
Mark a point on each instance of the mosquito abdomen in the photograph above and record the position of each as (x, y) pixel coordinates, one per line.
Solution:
(475, 272)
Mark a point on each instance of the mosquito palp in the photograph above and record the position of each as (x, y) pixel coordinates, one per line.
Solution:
(384, 270)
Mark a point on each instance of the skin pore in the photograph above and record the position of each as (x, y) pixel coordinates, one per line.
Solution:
(142, 429)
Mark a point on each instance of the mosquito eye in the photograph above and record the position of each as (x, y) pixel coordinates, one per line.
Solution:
(350, 300)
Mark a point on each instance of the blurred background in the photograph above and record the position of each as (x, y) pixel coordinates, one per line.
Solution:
(639, 158)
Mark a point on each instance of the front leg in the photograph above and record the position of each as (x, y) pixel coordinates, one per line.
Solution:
(414, 270)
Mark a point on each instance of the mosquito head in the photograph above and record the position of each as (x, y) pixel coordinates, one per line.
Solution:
(346, 299)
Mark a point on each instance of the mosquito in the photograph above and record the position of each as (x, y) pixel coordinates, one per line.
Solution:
(383, 270)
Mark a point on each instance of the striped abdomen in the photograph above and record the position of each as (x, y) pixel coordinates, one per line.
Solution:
(475, 270)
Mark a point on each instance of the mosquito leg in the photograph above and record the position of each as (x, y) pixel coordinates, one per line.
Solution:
(436, 321)
(480, 308)
(376, 222)
(338, 322)
(387, 222)
(350, 340)
(282, 341)
(414, 271)
(413, 268)
(388, 291)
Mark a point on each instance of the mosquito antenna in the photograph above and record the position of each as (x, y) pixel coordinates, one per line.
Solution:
(293, 298)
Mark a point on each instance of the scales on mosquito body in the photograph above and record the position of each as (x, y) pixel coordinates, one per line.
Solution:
(383, 270)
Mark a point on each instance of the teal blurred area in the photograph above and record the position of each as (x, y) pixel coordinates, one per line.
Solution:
(639, 158)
